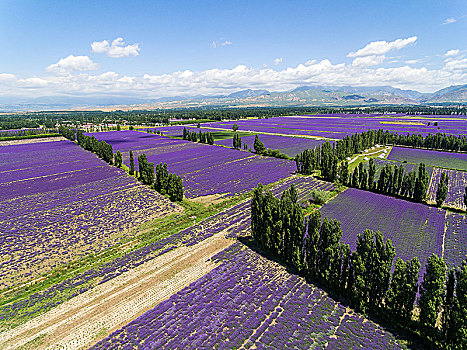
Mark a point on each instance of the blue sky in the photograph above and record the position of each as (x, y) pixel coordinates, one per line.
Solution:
(165, 48)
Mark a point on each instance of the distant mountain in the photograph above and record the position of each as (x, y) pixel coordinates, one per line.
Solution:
(248, 93)
(456, 93)
(300, 96)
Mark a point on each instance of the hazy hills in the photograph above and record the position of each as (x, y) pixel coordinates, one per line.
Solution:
(300, 96)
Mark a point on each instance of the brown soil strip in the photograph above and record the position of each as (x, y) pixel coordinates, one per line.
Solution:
(93, 315)
(26, 141)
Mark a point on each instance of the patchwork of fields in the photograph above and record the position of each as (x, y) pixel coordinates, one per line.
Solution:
(200, 286)
(205, 169)
(59, 202)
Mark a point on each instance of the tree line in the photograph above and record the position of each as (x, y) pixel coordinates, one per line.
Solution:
(327, 156)
(392, 180)
(363, 277)
(159, 178)
(202, 137)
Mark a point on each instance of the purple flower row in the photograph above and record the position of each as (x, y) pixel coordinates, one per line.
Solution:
(249, 301)
(204, 169)
(414, 229)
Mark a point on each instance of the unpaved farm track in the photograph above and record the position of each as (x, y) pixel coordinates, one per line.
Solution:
(91, 316)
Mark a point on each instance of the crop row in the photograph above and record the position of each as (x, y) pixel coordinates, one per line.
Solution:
(205, 169)
(287, 145)
(234, 221)
(414, 229)
(66, 209)
(251, 302)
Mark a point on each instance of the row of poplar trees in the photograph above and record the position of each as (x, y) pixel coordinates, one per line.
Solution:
(327, 156)
(101, 148)
(363, 277)
(202, 137)
(159, 178)
(392, 180)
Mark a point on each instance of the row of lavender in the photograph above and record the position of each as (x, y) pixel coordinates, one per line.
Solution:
(235, 221)
(340, 125)
(249, 302)
(59, 202)
(287, 145)
(205, 169)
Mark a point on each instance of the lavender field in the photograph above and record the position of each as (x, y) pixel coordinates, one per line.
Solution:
(287, 145)
(249, 302)
(337, 126)
(456, 187)
(414, 229)
(205, 169)
(59, 202)
(455, 250)
(434, 158)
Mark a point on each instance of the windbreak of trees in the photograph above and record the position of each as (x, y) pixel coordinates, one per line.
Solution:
(101, 148)
(202, 137)
(392, 180)
(259, 148)
(159, 178)
(67, 133)
(168, 183)
(327, 156)
(363, 277)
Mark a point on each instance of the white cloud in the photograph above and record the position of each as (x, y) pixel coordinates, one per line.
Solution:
(219, 81)
(33, 83)
(219, 43)
(7, 77)
(382, 47)
(374, 53)
(412, 61)
(449, 21)
(116, 49)
(457, 65)
(368, 61)
(451, 53)
(72, 63)
(310, 62)
(277, 61)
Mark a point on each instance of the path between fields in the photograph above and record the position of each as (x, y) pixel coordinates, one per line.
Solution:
(89, 317)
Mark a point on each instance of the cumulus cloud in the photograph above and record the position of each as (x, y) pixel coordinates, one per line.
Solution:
(219, 43)
(368, 61)
(7, 77)
(451, 53)
(449, 21)
(457, 65)
(116, 49)
(277, 61)
(216, 81)
(376, 48)
(72, 63)
(374, 53)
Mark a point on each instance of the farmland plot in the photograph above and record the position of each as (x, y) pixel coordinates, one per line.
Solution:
(287, 145)
(205, 169)
(414, 229)
(456, 187)
(249, 302)
(59, 202)
(455, 246)
(233, 222)
(434, 158)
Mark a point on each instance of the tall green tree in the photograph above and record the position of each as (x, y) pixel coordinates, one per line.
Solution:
(431, 292)
(132, 163)
(442, 191)
(258, 146)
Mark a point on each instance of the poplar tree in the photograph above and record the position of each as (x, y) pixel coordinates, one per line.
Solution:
(132, 163)
(431, 292)
(442, 191)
